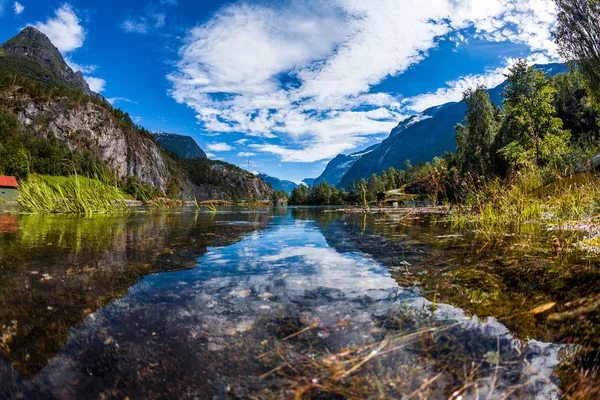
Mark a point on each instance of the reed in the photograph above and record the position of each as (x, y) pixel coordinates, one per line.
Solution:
(69, 195)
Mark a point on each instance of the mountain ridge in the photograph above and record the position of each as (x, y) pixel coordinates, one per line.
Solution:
(423, 136)
(31, 44)
(183, 146)
(340, 165)
(278, 184)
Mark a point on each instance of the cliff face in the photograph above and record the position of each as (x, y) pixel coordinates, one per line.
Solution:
(91, 127)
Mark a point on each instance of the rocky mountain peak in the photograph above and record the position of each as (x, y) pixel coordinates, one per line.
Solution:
(35, 45)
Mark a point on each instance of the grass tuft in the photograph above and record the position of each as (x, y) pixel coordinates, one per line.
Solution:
(74, 194)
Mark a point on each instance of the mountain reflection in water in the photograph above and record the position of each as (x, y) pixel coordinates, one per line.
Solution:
(243, 305)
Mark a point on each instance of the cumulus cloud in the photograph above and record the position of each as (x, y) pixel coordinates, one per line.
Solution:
(96, 84)
(246, 154)
(18, 8)
(64, 30)
(303, 72)
(85, 69)
(219, 147)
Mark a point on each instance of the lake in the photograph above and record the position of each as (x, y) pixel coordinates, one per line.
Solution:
(292, 303)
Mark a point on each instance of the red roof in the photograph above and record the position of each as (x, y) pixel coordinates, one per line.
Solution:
(8, 181)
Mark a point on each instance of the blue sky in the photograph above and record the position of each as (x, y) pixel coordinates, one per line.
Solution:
(286, 85)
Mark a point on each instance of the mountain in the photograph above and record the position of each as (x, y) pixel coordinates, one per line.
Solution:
(62, 120)
(31, 53)
(183, 146)
(422, 137)
(278, 184)
(340, 165)
(308, 181)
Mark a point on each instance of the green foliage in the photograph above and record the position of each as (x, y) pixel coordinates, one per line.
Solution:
(577, 35)
(17, 164)
(530, 125)
(279, 196)
(134, 187)
(575, 109)
(475, 140)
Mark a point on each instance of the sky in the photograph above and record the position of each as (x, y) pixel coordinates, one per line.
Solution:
(283, 86)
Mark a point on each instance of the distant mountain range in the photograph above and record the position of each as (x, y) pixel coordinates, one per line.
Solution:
(183, 146)
(278, 184)
(419, 138)
(339, 166)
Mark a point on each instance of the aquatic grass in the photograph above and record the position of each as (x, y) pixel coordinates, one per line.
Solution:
(69, 195)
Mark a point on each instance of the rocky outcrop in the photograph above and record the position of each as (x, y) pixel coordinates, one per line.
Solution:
(92, 127)
(233, 185)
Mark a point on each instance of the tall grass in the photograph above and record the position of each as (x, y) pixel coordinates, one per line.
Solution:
(497, 205)
(69, 195)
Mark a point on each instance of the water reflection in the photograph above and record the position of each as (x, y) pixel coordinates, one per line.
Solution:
(55, 270)
(246, 305)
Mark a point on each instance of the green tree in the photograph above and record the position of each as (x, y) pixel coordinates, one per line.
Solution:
(475, 140)
(530, 133)
(279, 195)
(574, 108)
(17, 164)
(578, 38)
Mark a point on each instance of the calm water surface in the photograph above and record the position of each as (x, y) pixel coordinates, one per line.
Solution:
(291, 303)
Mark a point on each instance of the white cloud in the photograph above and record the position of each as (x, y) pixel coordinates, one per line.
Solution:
(219, 147)
(64, 30)
(330, 56)
(241, 141)
(211, 155)
(18, 8)
(246, 154)
(85, 69)
(115, 100)
(144, 25)
(96, 84)
(454, 90)
(135, 26)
